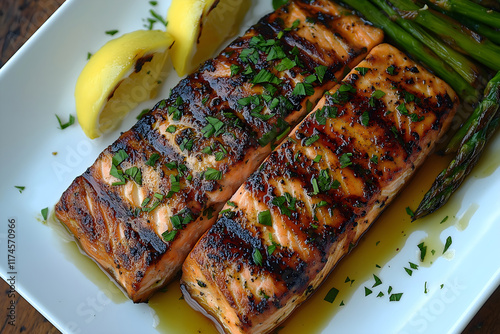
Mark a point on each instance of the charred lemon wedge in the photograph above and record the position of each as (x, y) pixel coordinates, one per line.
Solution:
(124, 72)
(199, 27)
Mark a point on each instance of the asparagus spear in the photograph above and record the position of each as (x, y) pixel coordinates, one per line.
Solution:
(482, 29)
(491, 4)
(484, 51)
(470, 9)
(483, 123)
(461, 64)
(412, 46)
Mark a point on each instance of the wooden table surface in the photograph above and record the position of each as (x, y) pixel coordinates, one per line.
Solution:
(19, 19)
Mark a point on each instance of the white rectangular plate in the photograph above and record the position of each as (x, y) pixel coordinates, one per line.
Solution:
(38, 82)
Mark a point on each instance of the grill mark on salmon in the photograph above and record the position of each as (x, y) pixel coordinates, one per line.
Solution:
(248, 273)
(140, 229)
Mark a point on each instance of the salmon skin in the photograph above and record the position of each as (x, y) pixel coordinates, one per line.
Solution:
(287, 226)
(141, 207)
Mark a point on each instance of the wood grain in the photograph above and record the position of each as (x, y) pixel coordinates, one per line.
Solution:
(19, 19)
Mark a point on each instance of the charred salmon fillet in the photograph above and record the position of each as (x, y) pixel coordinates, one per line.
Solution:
(141, 207)
(287, 226)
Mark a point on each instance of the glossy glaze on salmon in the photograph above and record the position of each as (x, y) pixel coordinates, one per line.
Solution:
(288, 225)
(148, 198)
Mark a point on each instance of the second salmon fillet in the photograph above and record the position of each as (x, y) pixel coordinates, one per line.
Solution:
(287, 226)
(142, 206)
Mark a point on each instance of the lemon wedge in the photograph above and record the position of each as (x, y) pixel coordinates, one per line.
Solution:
(124, 72)
(199, 27)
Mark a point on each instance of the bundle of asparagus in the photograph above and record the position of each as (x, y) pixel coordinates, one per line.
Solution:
(458, 40)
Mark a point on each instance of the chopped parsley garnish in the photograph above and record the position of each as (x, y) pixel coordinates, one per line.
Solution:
(112, 32)
(212, 174)
(265, 218)
(235, 69)
(378, 94)
(365, 118)
(306, 87)
(362, 70)
(186, 144)
(169, 235)
(423, 251)
(368, 291)
(45, 213)
(158, 17)
(410, 212)
(135, 174)
(345, 160)
(447, 245)
(444, 220)
(378, 281)
(153, 159)
(119, 157)
(391, 70)
(285, 64)
(331, 295)
(374, 159)
(320, 72)
(20, 188)
(396, 297)
(63, 126)
(257, 257)
(214, 127)
(285, 203)
(318, 158)
(311, 140)
(408, 271)
(171, 129)
(264, 76)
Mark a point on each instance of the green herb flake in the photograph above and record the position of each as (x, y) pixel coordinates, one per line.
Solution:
(444, 220)
(285, 64)
(391, 70)
(368, 291)
(271, 249)
(311, 140)
(135, 174)
(413, 266)
(377, 281)
(318, 158)
(423, 251)
(265, 218)
(169, 235)
(380, 294)
(374, 159)
(396, 297)
(362, 70)
(112, 32)
(257, 257)
(20, 188)
(378, 94)
(45, 213)
(119, 157)
(320, 72)
(410, 212)
(408, 271)
(171, 129)
(214, 127)
(331, 295)
(63, 126)
(235, 69)
(425, 288)
(153, 159)
(345, 160)
(143, 112)
(365, 118)
(447, 245)
(213, 174)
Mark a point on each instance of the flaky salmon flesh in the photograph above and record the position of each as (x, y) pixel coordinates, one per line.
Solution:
(141, 207)
(287, 226)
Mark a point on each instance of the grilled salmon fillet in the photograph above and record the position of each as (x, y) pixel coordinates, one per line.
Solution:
(288, 225)
(141, 207)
